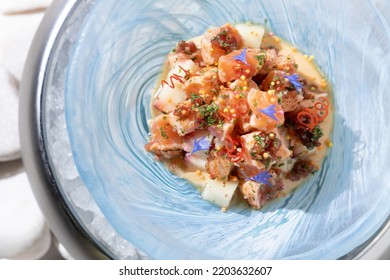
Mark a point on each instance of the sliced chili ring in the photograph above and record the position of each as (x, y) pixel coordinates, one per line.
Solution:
(320, 106)
(235, 157)
(324, 100)
(307, 119)
(242, 106)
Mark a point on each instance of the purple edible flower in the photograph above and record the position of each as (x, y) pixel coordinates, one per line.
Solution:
(262, 178)
(293, 79)
(269, 111)
(242, 57)
(203, 144)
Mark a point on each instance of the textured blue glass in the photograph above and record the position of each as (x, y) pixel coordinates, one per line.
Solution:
(114, 66)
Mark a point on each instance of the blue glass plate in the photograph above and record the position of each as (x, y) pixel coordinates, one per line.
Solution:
(115, 65)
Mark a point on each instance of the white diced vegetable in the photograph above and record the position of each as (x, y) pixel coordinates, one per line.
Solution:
(167, 98)
(252, 34)
(169, 95)
(218, 192)
(197, 41)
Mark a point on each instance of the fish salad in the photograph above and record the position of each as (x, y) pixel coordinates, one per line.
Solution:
(235, 115)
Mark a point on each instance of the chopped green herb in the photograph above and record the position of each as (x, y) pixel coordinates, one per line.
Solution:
(163, 133)
(259, 140)
(317, 133)
(194, 96)
(207, 112)
(261, 59)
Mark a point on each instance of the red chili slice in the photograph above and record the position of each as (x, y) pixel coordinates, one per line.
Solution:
(307, 118)
(235, 157)
(242, 107)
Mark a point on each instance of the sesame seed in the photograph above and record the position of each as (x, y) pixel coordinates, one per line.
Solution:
(184, 112)
(245, 83)
(245, 88)
(294, 49)
(221, 87)
(243, 77)
(247, 71)
(305, 56)
(271, 135)
(272, 83)
(237, 96)
(225, 110)
(277, 40)
(215, 77)
(232, 111)
(273, 99)
(214, 98)
(288, 137)
(265, 155)
(234, 178)
(223, 209)
(198, 172)
(211, 49)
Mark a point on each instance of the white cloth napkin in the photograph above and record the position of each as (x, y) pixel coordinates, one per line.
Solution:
(23, 230)
(9, 133)
(16, 34)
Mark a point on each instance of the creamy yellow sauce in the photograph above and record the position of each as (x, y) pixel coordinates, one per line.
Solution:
(308, 70)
